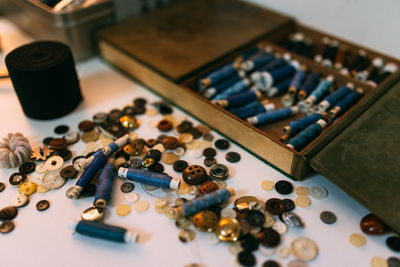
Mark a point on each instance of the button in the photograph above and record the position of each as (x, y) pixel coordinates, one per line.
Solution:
(170, 142)
(267, 185)
(169, 158)
(318, 192)
(208, 187)
(275, 206)
(269, 220)
(271, 263)
(91, 136)
(297, 263)
(194, 175)
(304, 248)
(269, 237)
(228, 213)
(328, 217)
(42, 205)
(123, 209)
(136, 162)
(203, 129)
(357, 240)
(219, 171)
(205, 220)
(27, 188)
(2, 187)
(302, 190)
(302, 201)
(141, 206)
(184, 126)
(46, 141)
(8, 213)
(195, 133)
(183, 223)
(289, 204)
(372, 225)
(378, 262)
(129, 122)
(17, 178)
(71, 137)
(140, 101)
(282, 252)
(183, 188)
(114, 115)
(132, 197)
(154, 154)
(179, 201)
(156, 167)
(92, 214)
(179, 151)
(149, 188)
(58, 143)
(127, 187)
(209, 162)
(86, 126)
(6, 227)
(41, 189)
(393, 262)
(53, 180)
(68, 172)
(161, 204)
(195, 144)
(100, 117)
(54, 163)
(27, 167)
(283, 187)
(61, 129)
(151, 142)
(393, 242)
(280, 227)
(222, 144)
(292, 220)
(208, 137)
(221, 184)
(134, 148)
(186, 235)
(129, 110)
(209, 152)
(227, 229)
(185, 138)
(41, 168)
(249, 242)
(235, 247)
(20, 201)
(66, 154)
(232, 157)
(164, 125)
(41, 153)
(246, 203)
(246, 258)
(255, 218)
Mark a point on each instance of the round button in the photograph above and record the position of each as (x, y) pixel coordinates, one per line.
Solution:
(27, 167)
(99, 117)
(141, 206)
(304, 248)
(185, 138)
(302, 201)
(209, 152)
(71, 137)
(393, 242)
(54, 163)
(205, 220)
(61, 129)
(6, 227)
(68, 172)
(357, 240)
(184, 127)
(269, 237)
(129, 122)
(271, 263)
(8, 213)
(164, 125)
(86, 126)
(372, 225)
(246, 203)
(267, 185)
(17, 178)
(283, 187)
(20, 201)
(275, 206)
(92, 214)
(209, 162)
(219, 171)
(194, 175)
(169, 158)
(255, 218)
(186, 235)
(2, 187)
(249, 242)
(66, 154)
(156, 167)
(318, 192)
(222, 144)
(53, 180)
(42, 205)
(246, 258)
(328, 217)
(127, 187)
(208, 187)
(302, 190)
(208, 137)
(289, 204)
(170, 142)
(292, 220)
(123, 209)
(180, 165)
(27, 188)
(91, 136)
(227, 229)
(232, 157)
(58, 143)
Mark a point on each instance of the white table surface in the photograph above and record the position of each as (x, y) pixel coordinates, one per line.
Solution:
(44, 239)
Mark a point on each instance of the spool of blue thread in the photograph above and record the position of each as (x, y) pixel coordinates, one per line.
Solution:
(217, 76)
(105, 231)
(389, 68)
(265, 80)
(239, 99)
(310, 83)
(297, 126)
(289, 99)
(273, 116)
(277, 63)
(105, 185)
(254, 110)
(220, 87)
(304, 138)
(346, 103)
(148, 178)
(238, 87)
(319, 92)
(257, 62)
(280, 88)
(335, 97)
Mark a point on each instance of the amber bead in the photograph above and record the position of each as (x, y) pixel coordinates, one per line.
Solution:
(372, 225)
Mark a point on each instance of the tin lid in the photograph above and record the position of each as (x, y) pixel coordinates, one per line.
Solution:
(363, 159)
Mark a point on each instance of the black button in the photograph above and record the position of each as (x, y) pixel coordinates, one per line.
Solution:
(194, 175)
(66, 154)
(27, 167)
(6, 227)
(47, 140)
(180, 165)
(163, 107)
(269, 238)
(129, 111)
(249, 242)
(283, 187)
(151, 142)
(275, 206)
(246, 258)
(255, 217)
(17, 178)
(393, 262)
(156, 167)
(222, 144)
(8, 213)
(232, 157)
(289, 204)
(154, 154)
(140, 110)
(209, 161)
(61, 129)
(114, 115)
(196, 133)
(68, 172)
(393, 242)
(271, 263)
(135, 162)
(127, 187)
(184, 127)
(209, 152)
(328, 217)
(140, 101)
(2, 187)
(42, 205)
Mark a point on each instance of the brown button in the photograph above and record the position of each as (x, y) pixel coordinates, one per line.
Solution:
(86, 126)
(134, 148)
(6, 227)
(170, 142)
(205, 220)
(8, 213)
(269, 237)
(275, 206)
(208, 187)
(68, 172)
(372, 225)
(164, 125)
(151, 142)
(194, 174)
(58, 143)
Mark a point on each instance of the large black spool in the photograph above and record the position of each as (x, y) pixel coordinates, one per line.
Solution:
(44, 78)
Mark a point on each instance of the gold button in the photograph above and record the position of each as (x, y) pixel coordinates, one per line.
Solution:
(27, 188)
(228, 229)
(302, 201)
(129, 122)
(302, 191)
(205, 220)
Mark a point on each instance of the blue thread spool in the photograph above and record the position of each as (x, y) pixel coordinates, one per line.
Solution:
(297, 126)
(105, 231)
(389, 68)
(277, 63)
(309, 85)
(243, 108)
(220, 87)
(264, 80)
(252, 111)
(238, 87)
(289, 99)
(148, 178)
(257, 62)
(272, 116)
(195, 205)
(305, 137)
(346, 103)
(239, 99)
(319, 92)
(335, 97)
(280, 88)
(248, 53)
(104, 186)
(217, 76)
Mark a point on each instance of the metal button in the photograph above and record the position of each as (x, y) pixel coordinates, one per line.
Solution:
(318, 192)
(194, 175)
(53, 180)
(129, 122)
(219, 171)
(186, 235)
(42, 205)
(92, 214)
(205, 220)
(228, 229)
(246, 203)
(292, 220)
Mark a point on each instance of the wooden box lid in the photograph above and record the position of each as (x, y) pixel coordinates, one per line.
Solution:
(182, 38)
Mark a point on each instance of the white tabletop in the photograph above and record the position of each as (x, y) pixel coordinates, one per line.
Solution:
(44, 239)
